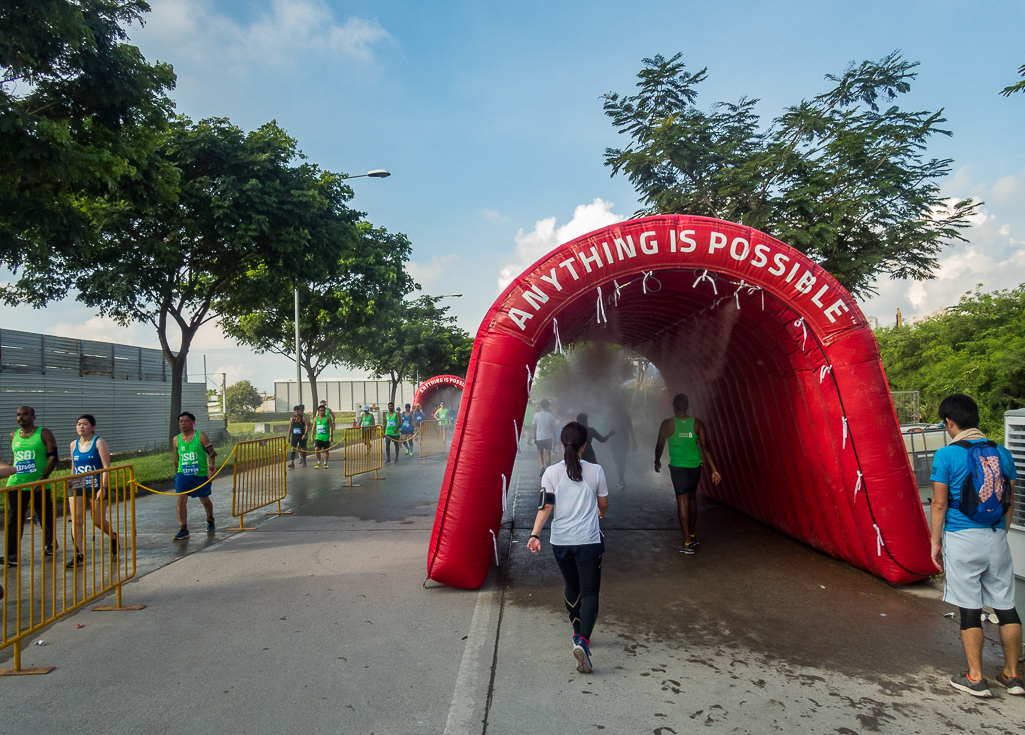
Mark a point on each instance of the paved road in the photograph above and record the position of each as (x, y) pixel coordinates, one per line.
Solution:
(319, 623)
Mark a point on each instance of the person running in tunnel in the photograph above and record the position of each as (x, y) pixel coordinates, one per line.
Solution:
(544, 431)
(441, 414)
(297, 430)
(574, 493)
(592, 434)
(688, 450)
(969, 540)
(622, 440)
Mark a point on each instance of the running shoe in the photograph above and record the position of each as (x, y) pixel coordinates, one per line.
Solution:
(693, 540)
(303, 464)
(687, 548)
(388, 460)
(113, 544)
(325, 465)
(582, 653)
(11, 561)
(210, 525)
(74, 561)
(316, 466)
(1013, 685)
(182, 535)
(976, 688)
(291, 465)
(50, 548)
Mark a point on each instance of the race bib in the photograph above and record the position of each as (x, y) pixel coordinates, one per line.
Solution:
(189, 470)
(297, 430)
(25, 466)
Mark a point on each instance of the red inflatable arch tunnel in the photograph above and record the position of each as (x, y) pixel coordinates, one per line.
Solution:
(775, 355)
(438, 382)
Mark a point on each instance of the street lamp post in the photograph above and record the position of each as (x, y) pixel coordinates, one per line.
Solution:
(377, 173)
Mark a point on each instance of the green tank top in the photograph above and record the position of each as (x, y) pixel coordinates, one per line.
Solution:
(442, 416)
(683, 444)
(189, 455)
(29, 457)
(366, 420)
(391, 423)
(322, 429)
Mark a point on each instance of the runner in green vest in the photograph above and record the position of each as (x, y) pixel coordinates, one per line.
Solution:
(323, 433)
(442, 415)
(35, 457)
(194, 469)
(392, 432)
(365, 421)
(687, 448)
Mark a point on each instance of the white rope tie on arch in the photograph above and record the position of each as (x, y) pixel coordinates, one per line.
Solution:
(650, 275)
(741, 287)
(804, 331)
(615, 296)
(494, 541)
(857, 485)
(516, 437)
(558, 342)
(879, 540)
(845, 432)
(601, 309)
(703, 276)
(530, 379)
(824, 371)
(505, 483)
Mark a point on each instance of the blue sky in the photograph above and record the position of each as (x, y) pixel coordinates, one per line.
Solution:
(489, 118)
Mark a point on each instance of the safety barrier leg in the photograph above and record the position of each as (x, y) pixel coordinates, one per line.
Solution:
(279, 511)
(241, 523)
(18, 671)
(119, 607)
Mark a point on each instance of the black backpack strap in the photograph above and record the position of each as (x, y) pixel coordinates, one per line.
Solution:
(963, 444)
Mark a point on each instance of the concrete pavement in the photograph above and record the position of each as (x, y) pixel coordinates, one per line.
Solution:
(319, 622)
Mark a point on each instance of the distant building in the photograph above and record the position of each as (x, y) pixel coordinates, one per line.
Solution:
(873, 322)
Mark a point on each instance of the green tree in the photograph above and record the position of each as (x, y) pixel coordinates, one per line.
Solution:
(370, 279)
(976, 347)
(837, 176)
(242, 399)
(415, 338)
(81, 112)
(247, 205)
(1019, 87)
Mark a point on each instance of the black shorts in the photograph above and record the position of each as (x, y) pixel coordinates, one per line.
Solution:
(543, 445)
(82, 491)
(319, 444)
(685, 479)
(297, 441)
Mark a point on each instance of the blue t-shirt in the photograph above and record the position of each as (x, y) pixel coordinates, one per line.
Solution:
(950, 466)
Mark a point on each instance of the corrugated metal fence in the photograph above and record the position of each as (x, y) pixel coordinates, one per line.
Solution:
(126, 388)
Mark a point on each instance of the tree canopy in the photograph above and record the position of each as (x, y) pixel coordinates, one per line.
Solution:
(1019, 87)
(842, 176)
(417, 338)
(247, 204)
(370, 281)
(976, 347)
(241, 401)
(80, 114)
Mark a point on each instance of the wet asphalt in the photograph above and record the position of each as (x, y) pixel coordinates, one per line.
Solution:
(755, 633)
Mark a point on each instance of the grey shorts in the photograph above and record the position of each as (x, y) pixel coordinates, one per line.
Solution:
(978, 567)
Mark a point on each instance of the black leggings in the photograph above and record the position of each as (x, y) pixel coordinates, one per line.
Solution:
(583, 581)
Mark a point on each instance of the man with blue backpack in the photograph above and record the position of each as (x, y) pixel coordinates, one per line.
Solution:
(973, 489)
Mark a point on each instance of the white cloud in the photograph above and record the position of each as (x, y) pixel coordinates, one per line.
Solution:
(102, 329)
(285, 37)
(235, 373)
(492, 216)
(531, 246)
(428, 274)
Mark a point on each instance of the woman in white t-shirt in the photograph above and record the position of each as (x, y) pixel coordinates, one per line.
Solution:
(575, 494)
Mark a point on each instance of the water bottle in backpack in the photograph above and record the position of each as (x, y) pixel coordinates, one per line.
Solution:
(986, 492)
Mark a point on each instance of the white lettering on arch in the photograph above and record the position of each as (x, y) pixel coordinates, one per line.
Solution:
(716, 242)
(649, 249)
(520, 317)
(625, 246)
(733, 248)
(761, 256)
(535, 297)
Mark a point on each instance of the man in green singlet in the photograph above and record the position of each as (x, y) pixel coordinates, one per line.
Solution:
(194, 469)
(392, 431)
(687, 450)
(442, 415)
(35, 457)
(364, 421)
(323, 434)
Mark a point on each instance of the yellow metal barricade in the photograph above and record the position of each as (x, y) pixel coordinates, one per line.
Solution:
(259, 477)
(57, 566)
(363, 451)
(432, 439)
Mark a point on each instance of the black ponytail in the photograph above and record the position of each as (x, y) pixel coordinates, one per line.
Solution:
(573, 437)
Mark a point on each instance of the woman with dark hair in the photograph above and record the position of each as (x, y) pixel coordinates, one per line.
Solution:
(89, 452)
(575, 494)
